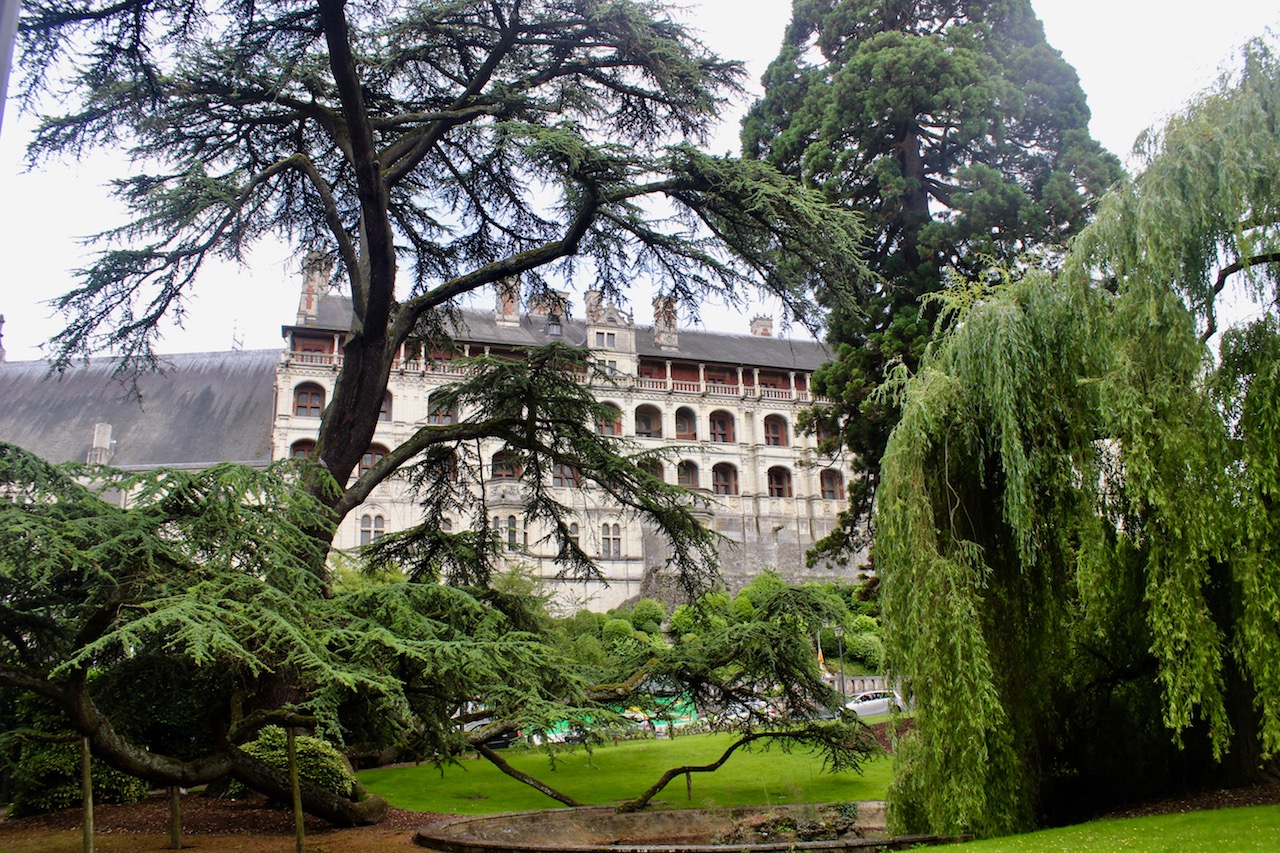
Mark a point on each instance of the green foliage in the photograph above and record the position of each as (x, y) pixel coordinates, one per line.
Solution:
(960, 135)
(46, 770)
(618, 632)
(648, 616)
(867, 649)
(318, 761)
(1074, 479)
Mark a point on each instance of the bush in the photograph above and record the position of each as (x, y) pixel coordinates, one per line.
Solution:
(46, 775)
(318, 761)
(648, 616)
(867, 648)
(618, 631)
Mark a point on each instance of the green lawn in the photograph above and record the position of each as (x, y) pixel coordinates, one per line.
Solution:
(762, 778)
(1241, 829)
(620, 772)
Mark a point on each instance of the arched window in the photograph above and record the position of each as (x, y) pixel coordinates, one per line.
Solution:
(446, 525)
(564, 476)
(372, 528)
(308, 400)
(384, 414)
(505, 466)
(779, 483)
(611, 541)
(653, 468)
(573, 531)
(442, 416)
(724, 479)
(648, 422)
(686, 429)
(722, 427)
(511, 533)
(775, 431)
(687, 475)
(612, 423)
(370, 458)
(832, 485)
(302, 449)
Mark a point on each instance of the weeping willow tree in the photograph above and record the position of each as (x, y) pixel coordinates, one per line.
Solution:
(1078, 525)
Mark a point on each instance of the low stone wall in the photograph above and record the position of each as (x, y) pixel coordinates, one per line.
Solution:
(660, 831)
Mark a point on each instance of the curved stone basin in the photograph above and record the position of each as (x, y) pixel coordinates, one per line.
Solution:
(602, 828)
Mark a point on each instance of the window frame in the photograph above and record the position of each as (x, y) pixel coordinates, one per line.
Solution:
(311, 408)
(775, 431)
(724, 479)
(721, 427)
(831, 484)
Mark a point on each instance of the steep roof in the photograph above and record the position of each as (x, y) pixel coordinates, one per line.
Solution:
(476, 326)
(204, 408)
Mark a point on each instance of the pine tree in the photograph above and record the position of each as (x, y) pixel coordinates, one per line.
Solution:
(959, 134)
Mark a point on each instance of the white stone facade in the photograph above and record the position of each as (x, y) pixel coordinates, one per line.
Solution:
(726, 407)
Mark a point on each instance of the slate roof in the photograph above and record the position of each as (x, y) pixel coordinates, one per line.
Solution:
(205, 408)
(334, 314)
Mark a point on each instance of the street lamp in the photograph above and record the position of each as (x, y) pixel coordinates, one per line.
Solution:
(840, 651)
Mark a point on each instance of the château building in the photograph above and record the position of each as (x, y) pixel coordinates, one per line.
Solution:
(724, 406)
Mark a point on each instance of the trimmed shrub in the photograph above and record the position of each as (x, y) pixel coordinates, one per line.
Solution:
(46, 776)
(867, 648)
(648, 616)
(319, 762)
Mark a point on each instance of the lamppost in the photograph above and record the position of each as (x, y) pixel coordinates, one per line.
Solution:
(840, 651)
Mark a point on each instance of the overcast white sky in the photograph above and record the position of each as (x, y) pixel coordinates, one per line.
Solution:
(1138, 60)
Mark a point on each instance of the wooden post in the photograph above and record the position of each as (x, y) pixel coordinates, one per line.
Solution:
(299, 830)
(86, 786)
(175, 818)
(688, 785)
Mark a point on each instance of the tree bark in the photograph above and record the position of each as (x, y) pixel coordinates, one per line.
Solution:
(86, 787)
(175, 817)
(499, 762)
(652, 791)
(299, 827)
(157, 769)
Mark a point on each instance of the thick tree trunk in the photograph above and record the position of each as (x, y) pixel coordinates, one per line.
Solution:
(157, 769)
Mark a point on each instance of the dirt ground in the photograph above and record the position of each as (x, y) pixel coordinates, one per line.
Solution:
(214, 826)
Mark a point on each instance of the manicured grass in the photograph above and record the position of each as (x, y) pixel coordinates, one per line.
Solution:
(620, 772)
(1240, 829)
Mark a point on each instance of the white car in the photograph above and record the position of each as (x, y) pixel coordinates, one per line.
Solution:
(875, 703)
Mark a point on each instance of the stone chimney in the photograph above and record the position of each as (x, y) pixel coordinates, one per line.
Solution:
(552, 302)
(595, 305)
(665, 335)
(762, 326)
(100, 449)
(506, 311)
(316, 268)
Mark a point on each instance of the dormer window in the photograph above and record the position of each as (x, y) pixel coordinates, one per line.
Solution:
(606, 339)
(554, 330)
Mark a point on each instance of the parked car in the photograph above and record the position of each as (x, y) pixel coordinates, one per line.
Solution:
(875, 703)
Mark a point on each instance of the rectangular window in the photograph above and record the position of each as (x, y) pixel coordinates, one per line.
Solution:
(611, 541)
(564, 476)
